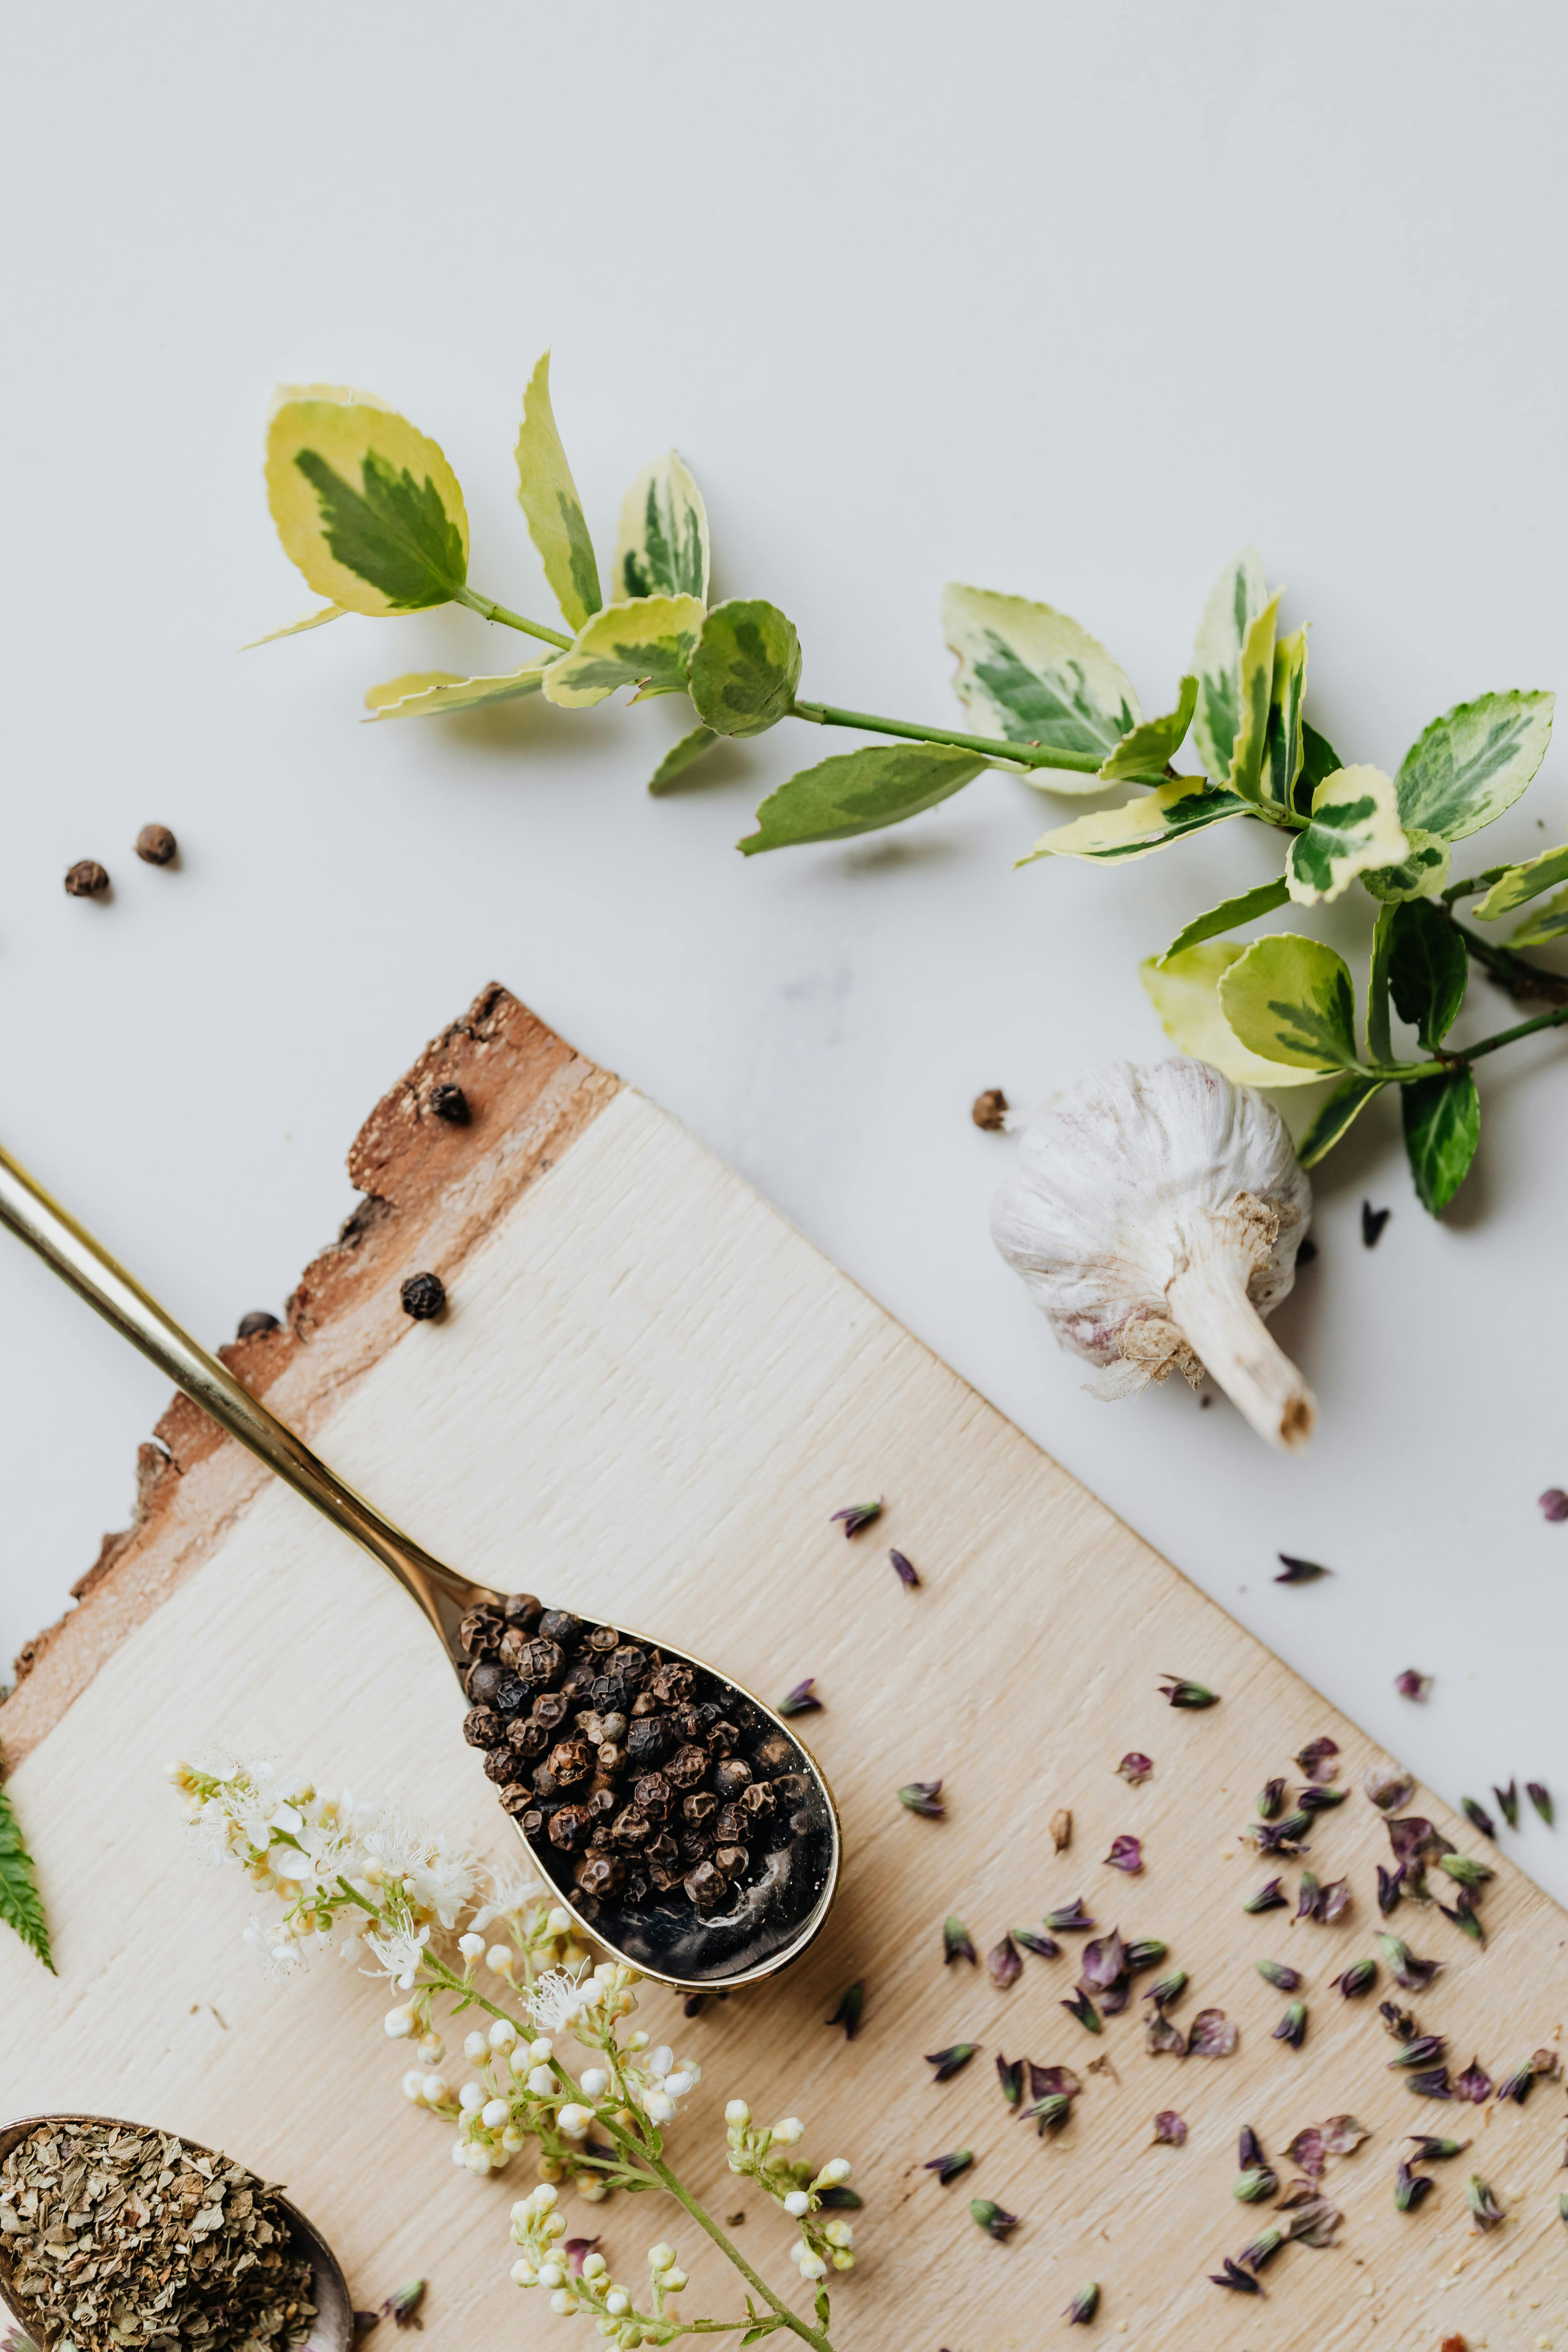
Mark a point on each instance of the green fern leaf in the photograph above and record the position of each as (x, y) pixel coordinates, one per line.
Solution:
(19, 1905)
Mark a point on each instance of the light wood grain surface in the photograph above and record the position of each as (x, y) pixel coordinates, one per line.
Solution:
(646, 1399)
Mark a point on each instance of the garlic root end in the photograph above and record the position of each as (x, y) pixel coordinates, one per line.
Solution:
(1210, 1308)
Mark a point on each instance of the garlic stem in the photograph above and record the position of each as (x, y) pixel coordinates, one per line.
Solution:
(1210, 1308)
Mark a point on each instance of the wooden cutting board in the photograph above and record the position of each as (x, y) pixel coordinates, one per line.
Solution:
(647, 1398)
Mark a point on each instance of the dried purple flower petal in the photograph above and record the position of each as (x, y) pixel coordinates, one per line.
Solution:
(1135, 1769)
(1168, 1990)
(1553, 1504)
(403, 2307)
(1080, 2005)
(948, 2062)
(1146, 1953)
(1308, 1896)
(851, 2001)
(1508, 1802)
(1283, 1836)
(1300, 1571)
(1002, 1965)
(956, 1944)
(924, 1797)
(1250, 2149)
(1547, 2064)
(1388, 1786)
(1315, 1759)
(1211, 2034)
(1434, 2084)
(1083, 2306)
(1262, 2250)
(1292, 2026)
(1483, 2203)
(1479, 1817)
(1434, 2151)
(1466, 1869)
(1182, 1692)
(802, 1700)
(1161, 2039)
(1343, 2135)
(1463, 1915)
(1314, 2224)
(1540, 1796)
(948, 2167)
(1372, 1222)
(1052, 2082)
(1233, 2276)
(1271, 1798)
(1126, 1853)
(856, 1516)
(1116, 1996)
(1170, 2130)
(1415, 1840)
(1409, 2188)
(905, 1570)
(363, 2322)
(1044, 1948)
(1358, 1979)
(1320, 1801)
(1397, 2021)
(1048, 2114)
(1010, 2074)
(1517, 2087)
(990, 2218)
(1390, 1886)
(1282, 1979)
(1254, 2186)
(1268, 1897)
(1413, 1975)
(1307, 2150)
(1410, 1685)
(1425, 2050)
(576, 2251)
(1104, 1960)
(1070, 1919)
(1333, 1901)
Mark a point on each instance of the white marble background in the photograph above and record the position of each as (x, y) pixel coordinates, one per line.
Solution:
(1061, 301)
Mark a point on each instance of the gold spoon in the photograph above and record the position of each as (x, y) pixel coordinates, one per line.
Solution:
(753, 1929)
(332, 2330)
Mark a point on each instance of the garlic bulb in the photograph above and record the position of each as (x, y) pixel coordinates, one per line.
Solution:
(1155, 1214)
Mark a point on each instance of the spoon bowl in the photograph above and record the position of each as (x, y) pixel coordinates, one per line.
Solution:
(687, 1905)
(332, 2330)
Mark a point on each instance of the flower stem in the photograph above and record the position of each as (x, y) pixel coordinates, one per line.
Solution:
(1516, 973)
(489, 610)
(1507, 1036)
(1025, 755)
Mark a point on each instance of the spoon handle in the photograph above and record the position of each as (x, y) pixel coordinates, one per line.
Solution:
(70, 1250)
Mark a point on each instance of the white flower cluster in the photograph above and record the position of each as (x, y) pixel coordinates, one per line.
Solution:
(539, 2228)
(763, 2156)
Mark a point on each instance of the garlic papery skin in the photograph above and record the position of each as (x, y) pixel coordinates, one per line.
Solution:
(1154, 1215)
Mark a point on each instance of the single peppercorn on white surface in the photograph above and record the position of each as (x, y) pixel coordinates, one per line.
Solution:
(1153, 1215)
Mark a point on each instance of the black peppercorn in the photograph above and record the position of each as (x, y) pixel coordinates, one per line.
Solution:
(602, 1639)
(501, 1765)
(644, 1703)
(631, 1827)
(86, 879)
(579, 1683)
(699, 1807)
(560, 1625)
(545, 1781)
(517, 1798)
(527, 1738)
(513, 1695)
(601, 1875)
(989, 1109)
(483, 1726)
(695, 1845)
(569, 1826)
(155, 844)
(730, 1859)
(609, 1692)
(251, 1326)
(537, 1662)
(522, 1608)
(552, 1709)
(662, 1848)
(483, 1680)
(653, 1793)
(450, 1103)
(728, 1824)
(775, 1751)
(687, 1767)
(602, 1804)
(731, 1774)
(570, 1762)
(611, 1756)
(705, 1885)
(665, 1875)
(722, 1738)
(422, 1295)
(630, 1663)
(672, 1683)
(647, 1742)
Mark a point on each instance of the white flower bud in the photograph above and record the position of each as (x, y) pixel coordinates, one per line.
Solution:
(476, 2157)
(797, 2203)
(550, 2274)
(656, 2108)
(399, 2023)
(637, 2041)
(524, 2274)
(661, 2257)
(471, 1946)
(541, 2082)
(414, 2086)
(500, 1958)
(790, 2133)
(472, 2096)
(540, 2050)
(432, 2049)
(512, 2141)
(574, 2121)
(459, 2153)
(495, 2114)
(503, 2035)
(812, 2266)
(679, 2084)
(544, 2197)
(606, 1972)
(564, 2301)
(836, 2169)
(839, 2234)
(673, 2280)
(591, 2189)
(475, 2049)
(841, 2261)
(660, 2061)
(559, 1922)
(615, 2302)
(595, 2266)
(737, 2112)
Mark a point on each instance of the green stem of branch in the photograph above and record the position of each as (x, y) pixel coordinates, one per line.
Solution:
(1024, 755)
(489, 610)
(1553, 1020)
(1516, 973)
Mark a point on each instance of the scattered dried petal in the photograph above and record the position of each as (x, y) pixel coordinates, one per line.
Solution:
(989, 1109)
(1553, 1504)
(1043, 1946)
(1413, 1975)
(1061, 1830)
(924, 1797)
(990, 2218)
(1372, 1222)
(1547, 2064)
(1415, 1840)
(948, 2167)
(1320, 1801)
(1276, 1973)
(1233, 2276)
(1283, 1836)
(1333, 1901)
(856, 1516)
(1134, 1768)
(576, 2251)
(1256, 2185)
(1268, 1897)
(1314, 2224)
(1169, 1989)
(1410, 2188)
(1182, 1692)
(905, 1570)
(948, 2062)
(1308, 1896)
(1358, 1979)
(1425, 2050)
(1080, 2005)
(1104, 1960)
(1300, 1571)
(1540, 1796)
(1463, 1915)
(1434, 2085)
(1307, 2149)
(1270, 1800)
(1250, 2149)
(1430, 2150)
(1410, 1685)
(1344, 2134)
(1292, 2026)
(1466, 1869)
(1010, 2074)
(851, 2001)
(1315, 1759)
(1052, 2082)
(1161, 2039)
(402, 2307)
(1390, 1886)
(1262, 2250)
(803, 1699)
(1126, 1853)
(1048, 2114)
(1508, 1802)
(1070, 1919)
(1397, 2021)
(1146, 1953)
(1083, 2306)
(1479, 1817)
(1389, 1786)
(1517, 2087)
(1483, 2203)
(1211, 2034)
(1170, 2130)
(1004, 1966)
(956, 1944)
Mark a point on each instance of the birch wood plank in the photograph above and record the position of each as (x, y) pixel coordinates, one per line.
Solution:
(647, 1398)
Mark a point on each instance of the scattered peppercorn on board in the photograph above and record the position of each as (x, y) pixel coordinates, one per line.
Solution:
(645, 1400)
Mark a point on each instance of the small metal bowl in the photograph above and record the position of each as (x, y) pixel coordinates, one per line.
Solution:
(332, 2330)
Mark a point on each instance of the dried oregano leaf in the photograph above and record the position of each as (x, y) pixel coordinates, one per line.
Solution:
(20, 1905)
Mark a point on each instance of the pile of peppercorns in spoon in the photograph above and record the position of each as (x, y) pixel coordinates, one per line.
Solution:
(686, 1819)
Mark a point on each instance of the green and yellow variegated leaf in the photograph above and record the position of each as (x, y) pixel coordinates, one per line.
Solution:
(1228, 915)
(551, 509)
(1353, 827)
(1254, 688)
(1318, 758)
(1237, 598)
(681, 756)
(1184, 992)
(1186, 804)
(663, 547)
(316, 620)
(426, 693)
(1284, 744)
(860, 793)
(1343, 1107)
(1522, 883)
(1548, 923)
(1442, 1128)
(647, 644)
(1421, 874)
(1031, 675)
(1473, 762)
(1291, 999)
(1146, 751)
(746, 668)
(364, 503)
